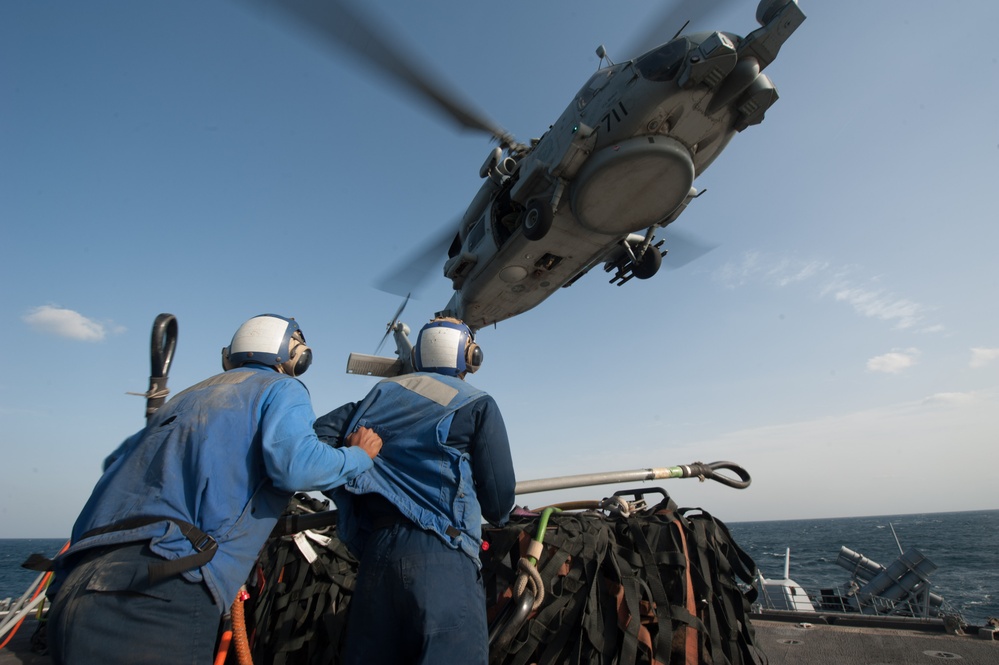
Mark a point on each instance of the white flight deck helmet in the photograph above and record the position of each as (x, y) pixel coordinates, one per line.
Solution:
(446, 346)
(270, 340)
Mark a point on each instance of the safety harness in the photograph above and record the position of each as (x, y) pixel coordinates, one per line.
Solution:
(204, 545)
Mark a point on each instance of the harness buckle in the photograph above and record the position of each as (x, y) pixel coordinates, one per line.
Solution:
(205, 543)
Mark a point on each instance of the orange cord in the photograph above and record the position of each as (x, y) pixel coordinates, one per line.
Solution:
(243, 655)
(223, 651)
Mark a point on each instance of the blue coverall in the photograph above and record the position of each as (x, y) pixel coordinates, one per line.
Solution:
(224, 455)
(419, 595)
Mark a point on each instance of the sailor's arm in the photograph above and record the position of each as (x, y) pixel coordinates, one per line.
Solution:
(295, 458)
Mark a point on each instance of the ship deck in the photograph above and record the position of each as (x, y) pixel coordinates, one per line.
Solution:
(783, 641)
(807, 643)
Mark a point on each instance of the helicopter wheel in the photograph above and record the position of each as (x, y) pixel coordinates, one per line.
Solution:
(537, 219)
(649, 265)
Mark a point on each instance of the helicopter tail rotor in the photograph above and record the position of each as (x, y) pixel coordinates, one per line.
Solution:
(392, 324)
(376, 365)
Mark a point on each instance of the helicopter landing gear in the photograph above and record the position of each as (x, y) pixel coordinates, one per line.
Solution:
(648, 265)
(537, 219)
(629, 264)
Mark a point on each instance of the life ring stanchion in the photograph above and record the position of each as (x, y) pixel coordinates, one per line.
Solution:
(162, 344)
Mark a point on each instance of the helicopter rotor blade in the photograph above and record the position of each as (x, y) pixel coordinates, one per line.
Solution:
(412, 273)
(684, 247)
(336, 23)
(677, 16)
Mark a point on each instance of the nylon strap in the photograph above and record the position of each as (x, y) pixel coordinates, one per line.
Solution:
(204, 545)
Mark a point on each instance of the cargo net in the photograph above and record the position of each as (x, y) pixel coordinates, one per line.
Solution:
(610, 584)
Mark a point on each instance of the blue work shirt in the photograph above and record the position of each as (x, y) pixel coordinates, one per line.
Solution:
(225, 455)
(445, 462)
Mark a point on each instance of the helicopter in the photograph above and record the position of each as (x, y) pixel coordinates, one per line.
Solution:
(616, 167)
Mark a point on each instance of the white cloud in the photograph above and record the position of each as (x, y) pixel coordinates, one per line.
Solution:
(792, 271)
(775, 272)
(842, 283)
(950, 398)
(65, 323)
(732, 275)
(981, 357)
(878, 304)
(894, 361)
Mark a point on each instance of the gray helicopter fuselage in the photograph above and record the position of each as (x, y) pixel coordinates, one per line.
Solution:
(617, 165)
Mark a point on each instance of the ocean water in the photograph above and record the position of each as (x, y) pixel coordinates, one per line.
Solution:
(964, 546)
(15, 580)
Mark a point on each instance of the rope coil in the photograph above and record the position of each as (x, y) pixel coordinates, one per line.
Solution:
(529, 577)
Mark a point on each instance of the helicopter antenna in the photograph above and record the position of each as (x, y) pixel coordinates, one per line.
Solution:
(682, 28)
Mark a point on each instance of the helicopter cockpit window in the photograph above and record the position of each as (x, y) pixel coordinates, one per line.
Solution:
(476, 233)
(595, 85)
(663, 63)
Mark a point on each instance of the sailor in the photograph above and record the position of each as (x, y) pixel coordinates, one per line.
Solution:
(414, 521)
(184, 506)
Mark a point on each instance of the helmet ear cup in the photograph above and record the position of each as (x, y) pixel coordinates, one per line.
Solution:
(302, 360)
(299, 357)
(473, 357)
(226, 361)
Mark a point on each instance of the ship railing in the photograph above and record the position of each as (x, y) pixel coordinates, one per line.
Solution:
(836, 600)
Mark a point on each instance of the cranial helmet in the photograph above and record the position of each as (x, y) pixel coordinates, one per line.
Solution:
(270, 340)
(446, 346)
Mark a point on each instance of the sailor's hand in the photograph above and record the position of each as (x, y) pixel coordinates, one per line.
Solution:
(366, 439)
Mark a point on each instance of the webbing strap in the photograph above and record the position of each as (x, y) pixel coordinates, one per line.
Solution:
(300, 608)
(690, 637)
(560, 616)
(735, 636)
(204, 545)
(664, 635)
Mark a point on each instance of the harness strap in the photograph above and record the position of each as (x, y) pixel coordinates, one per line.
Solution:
(204, 545)
(690, 636)
(664, 634)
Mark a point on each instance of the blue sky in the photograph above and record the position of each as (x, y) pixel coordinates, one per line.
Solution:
(841, 343)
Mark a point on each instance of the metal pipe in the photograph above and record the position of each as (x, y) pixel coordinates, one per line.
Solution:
(697, 469)
(295, 523)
